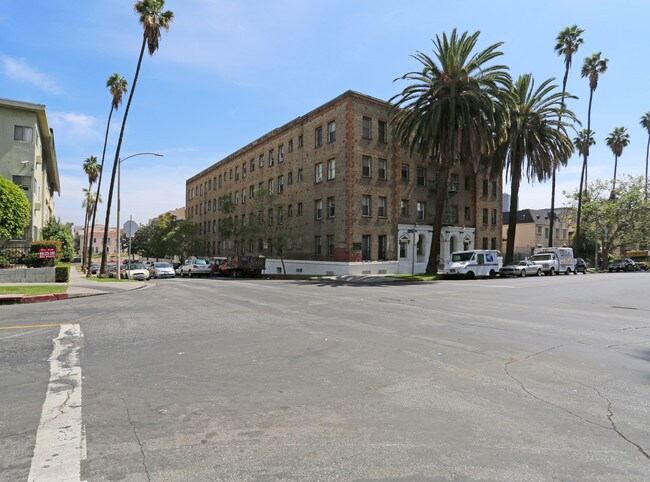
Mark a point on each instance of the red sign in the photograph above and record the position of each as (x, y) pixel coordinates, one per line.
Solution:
(46, 253)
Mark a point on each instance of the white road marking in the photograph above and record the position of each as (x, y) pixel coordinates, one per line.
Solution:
(58, 450)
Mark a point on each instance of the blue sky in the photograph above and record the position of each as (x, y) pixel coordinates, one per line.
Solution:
(229, 71)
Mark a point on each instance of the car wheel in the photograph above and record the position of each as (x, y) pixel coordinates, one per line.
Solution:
(551, 271)
(470, 275)
(568, 271)
(493, 273)
(539, 272)
(522, 273)
(189, 274)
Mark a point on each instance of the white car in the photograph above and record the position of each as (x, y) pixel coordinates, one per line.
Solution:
(135, 270)
(196, 267)
(161, 270)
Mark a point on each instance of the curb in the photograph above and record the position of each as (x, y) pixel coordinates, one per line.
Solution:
(16, 299)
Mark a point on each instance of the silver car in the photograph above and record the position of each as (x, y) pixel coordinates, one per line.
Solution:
(161, 270)
(521, 268)
(196, 267)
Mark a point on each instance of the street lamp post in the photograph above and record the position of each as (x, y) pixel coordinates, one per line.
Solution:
(413, 231)
(119, 241)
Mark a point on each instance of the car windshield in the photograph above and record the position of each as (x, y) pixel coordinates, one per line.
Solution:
(135, 266)
(541, 257)
(199, 261)
(462, 256)
(162, 265)
(522, 263)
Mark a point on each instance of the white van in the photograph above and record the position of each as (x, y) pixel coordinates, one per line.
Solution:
(474, 263)
(554, 260)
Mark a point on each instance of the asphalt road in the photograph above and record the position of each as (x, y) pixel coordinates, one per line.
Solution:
(219, 379)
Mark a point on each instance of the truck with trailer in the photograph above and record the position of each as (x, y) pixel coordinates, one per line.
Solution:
(475, 263)
(554, 260)
(238, 266)
(640, 256)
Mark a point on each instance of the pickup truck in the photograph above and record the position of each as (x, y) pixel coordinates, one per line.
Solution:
(238, 266)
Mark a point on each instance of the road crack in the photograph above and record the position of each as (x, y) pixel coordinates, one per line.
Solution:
(137, 437)
(610, 418)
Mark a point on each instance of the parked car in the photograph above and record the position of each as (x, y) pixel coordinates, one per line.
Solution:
(135, 270)
(521, 268)
(161, 270)
(111, 269)
(94, 268)
(625, 264)
(196, 267)
(580, 266)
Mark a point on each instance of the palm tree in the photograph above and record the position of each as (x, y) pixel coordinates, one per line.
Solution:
(567, 43)
(592, 67)
(617, 140)
(536, 140)
(452, 112)
(92, 170)
(152, 18)
(582, 142)
(645, 123)
(117, 86)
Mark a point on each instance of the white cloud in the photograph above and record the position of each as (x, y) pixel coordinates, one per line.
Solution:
(19, 71)
(74, 129)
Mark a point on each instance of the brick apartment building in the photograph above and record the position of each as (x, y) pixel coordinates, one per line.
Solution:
(355, 200)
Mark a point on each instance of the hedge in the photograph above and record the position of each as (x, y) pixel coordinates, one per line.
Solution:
(62, 273)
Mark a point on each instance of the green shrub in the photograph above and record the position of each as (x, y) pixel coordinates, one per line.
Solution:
(4, 262)
(62, 273)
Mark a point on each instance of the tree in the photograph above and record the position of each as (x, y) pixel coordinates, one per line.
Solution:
(567, 43)
(617, 140)
(117, 86)
(582, 142)
(452, 113)
(618, 222)
(645, 123)
(92, 170)
(535, 141)
(152, 18)
(15, 210)
(592, 67)
(55, 229)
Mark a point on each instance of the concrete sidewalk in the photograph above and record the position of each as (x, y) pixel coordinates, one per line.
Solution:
(78, 286)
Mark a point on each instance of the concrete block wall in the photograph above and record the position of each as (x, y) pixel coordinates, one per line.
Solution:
(27, 275)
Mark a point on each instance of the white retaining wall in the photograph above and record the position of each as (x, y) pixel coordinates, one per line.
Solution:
(27, 275)
(330, 268)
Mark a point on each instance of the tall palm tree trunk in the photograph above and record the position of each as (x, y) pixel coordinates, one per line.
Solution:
(552, 216)
(99, 187)
(441, 198)
(117, 160)
(583, 177)
(512, 219)
(647, 152)
(614, 181)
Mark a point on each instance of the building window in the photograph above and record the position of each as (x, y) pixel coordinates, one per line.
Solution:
(280, 153)
(494, 189)
(318, 137)
(331, 207)
(382, 169)
(453, 183)
(252, 192)
(381, 247)
(493, 217)
(270, 186)
(331, 169)
(290, 177)
(365, 206)
(290, 145)
(485, 216)
(271, 158)
(299, 175)
(404, 207)
(365, 247)
(23, 134)
(299, 209)
(251, 165)
(420, 207)
(485, 187)
(366, 124)
(236, 198)
(280, 184)
(317, 245)
(318, 172)
(493, 243)
(468, 183)
(366, 166)
(382, 132)
(243, 196)
(243, 170)
(318, 209)
(300, 141)
(405, 172)
(290, 211)
(421, 177)
(330, 245)
(468, 213)
(270, 217)
(546, 232)
(381, 207)
(485, 243)
(331, 131)
(539, 230)
(453, 215)
(219, 181)
(280, 215)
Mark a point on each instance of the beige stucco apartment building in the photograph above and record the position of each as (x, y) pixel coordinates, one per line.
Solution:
(354, 201)
(28, 158)
(532, 230)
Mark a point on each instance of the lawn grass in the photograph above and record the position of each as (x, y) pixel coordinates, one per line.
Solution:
(111, 280)
(32, 290)
(419, 277)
